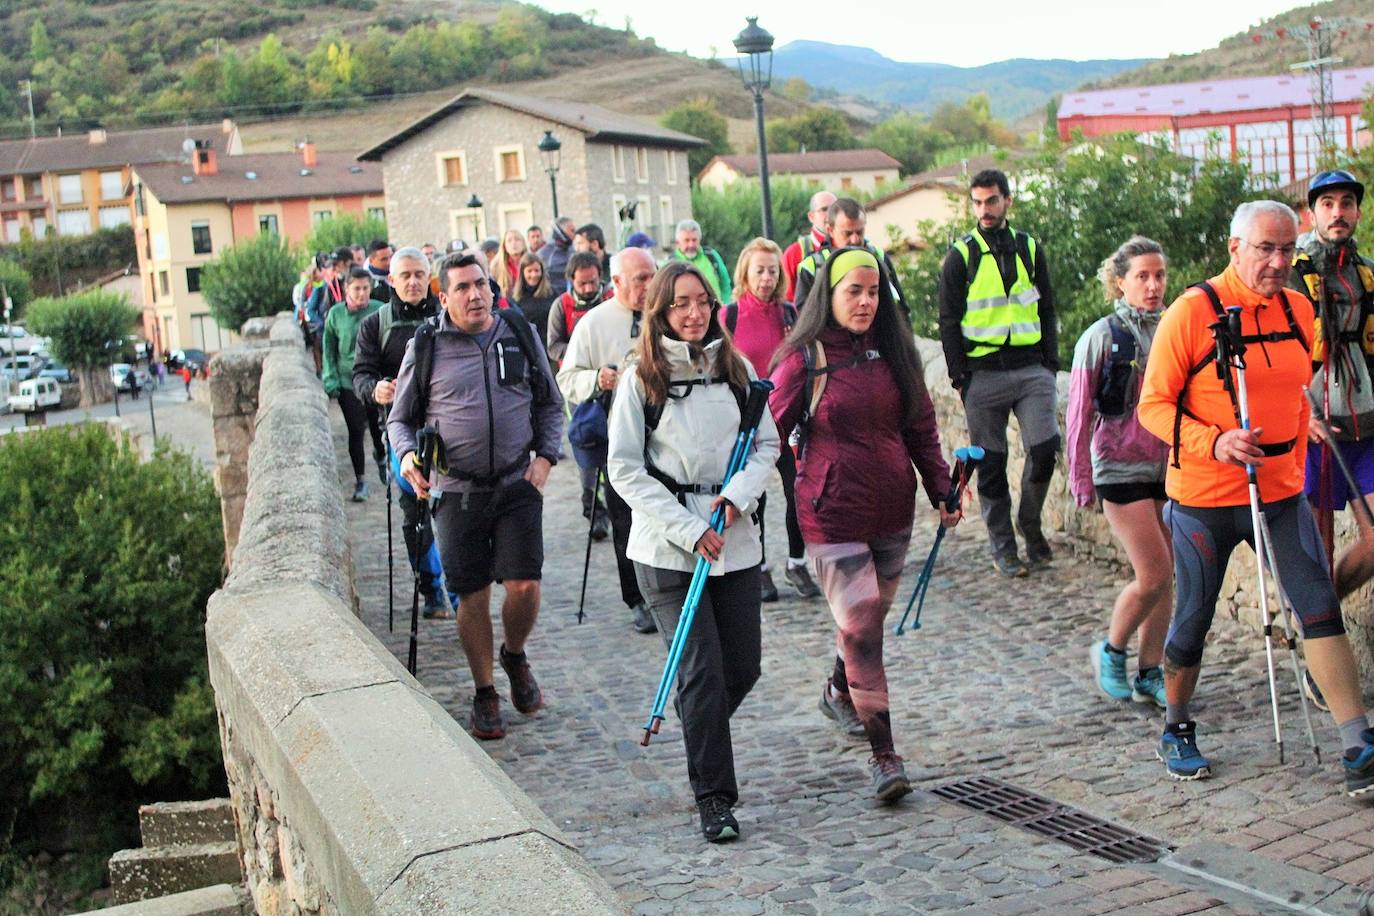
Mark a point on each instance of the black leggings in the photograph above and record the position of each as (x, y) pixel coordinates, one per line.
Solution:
(787, 469)
(357, 417)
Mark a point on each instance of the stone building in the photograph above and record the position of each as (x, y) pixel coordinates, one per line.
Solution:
(839, 170)
(484, 143)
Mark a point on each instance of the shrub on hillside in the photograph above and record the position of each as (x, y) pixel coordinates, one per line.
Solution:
(106, 562)
(250, 279)
(77, 259)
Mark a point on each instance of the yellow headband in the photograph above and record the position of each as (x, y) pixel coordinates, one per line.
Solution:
(849, 260)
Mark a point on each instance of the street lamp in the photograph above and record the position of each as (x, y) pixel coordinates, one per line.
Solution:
(549, 152)
(475, 205)
(756, 47)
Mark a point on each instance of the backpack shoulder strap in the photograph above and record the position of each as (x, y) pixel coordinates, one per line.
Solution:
(731, 316)
(1023, 251)
(1292, 322)
(973, 256)
(789, 315)
(424, 367)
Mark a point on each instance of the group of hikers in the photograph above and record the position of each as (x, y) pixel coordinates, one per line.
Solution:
(1190, 424)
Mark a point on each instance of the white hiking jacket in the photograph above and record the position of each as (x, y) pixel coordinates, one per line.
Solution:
(692, 444)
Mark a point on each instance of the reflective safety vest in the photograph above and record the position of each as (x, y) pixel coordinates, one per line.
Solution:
(997, 316)
(1363, 332)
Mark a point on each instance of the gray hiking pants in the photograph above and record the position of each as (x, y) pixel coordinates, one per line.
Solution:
(990, 397)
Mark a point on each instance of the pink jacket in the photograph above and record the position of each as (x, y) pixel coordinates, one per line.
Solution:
(855, 481)
(758, 330)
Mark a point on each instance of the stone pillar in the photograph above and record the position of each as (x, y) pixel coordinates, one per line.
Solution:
(234, 377)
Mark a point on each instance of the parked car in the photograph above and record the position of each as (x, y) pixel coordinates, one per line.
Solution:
(22, 367)
(57, 372)
(122, 374)
(14, 339)
(36, 394)
(196, 360)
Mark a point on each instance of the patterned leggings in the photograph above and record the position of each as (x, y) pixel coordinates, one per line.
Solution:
(860, 581)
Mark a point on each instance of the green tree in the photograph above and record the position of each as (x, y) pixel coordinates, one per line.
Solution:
(250, 279)
(796, 89)
(732, 216)
(816, 129)
(910, 140)
(971, 123)
(344, 229)
(18, 284)
(700, 118)
(87, 331)
(40, 45)
(106, 562)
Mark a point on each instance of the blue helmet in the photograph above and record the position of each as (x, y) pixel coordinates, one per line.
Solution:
(1330, 180)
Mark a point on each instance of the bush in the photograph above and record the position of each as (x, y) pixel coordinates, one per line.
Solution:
(18, 284)
(731, 217)
(345, 229)
(87, 331)
(78, 259)
(106, 563)
(250, 279)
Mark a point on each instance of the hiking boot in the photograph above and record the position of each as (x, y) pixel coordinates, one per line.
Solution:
(1009, 565)
(768, 592)
(799, 578)
(718, 824)
(524, 692)
(601, 528)
(643, 620)
(889, 777)
(840, 708)
(435, 608)
(360, 491)
(1178, 750)
(1110, 669)
(1314, 693)
(1148, 687)
(1359, 772)
(486, 717)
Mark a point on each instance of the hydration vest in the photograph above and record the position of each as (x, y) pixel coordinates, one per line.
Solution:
(1363, 332)
(996, 315)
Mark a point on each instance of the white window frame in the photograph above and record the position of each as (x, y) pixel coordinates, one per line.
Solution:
(209, 235)
(665, 214)
(617, 201)
(40, 227)
(442, 171)
(320, 216)
(378, 212)
(642, 164)
(275, 228)
(114, 216)
(498, 168)
(670, 166)
(12, 230)
(118, 177)
(504, 211)
(460, 221)
(70, 215)
(618, 163)
(63, 183)
(644, 213)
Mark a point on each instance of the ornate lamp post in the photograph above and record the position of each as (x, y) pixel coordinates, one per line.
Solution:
(549, 153)
(475, 205)
(755, 47)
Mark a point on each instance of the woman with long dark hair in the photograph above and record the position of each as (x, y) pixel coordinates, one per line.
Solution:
(849, 382)
(532, 292)
(673, 426)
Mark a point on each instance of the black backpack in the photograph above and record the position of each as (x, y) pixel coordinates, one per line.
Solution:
(1114, 393)
(789, 316)
(424, 357)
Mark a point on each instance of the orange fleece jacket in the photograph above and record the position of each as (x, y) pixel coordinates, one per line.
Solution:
(1275, 374)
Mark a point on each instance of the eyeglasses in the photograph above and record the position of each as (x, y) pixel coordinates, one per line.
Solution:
(1267, 250)
(702, 304)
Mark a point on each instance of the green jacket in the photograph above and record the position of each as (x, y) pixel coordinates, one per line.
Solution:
(340, 345)
(709, 263)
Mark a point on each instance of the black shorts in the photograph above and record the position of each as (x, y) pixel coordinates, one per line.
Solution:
(1130, 492)
(490, 536)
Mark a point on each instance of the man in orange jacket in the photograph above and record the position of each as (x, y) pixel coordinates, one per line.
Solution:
(1185, 403)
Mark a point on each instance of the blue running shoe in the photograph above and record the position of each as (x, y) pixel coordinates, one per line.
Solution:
(1359, 773)
(1111, 671)
(1178, 750)
(1148, 687)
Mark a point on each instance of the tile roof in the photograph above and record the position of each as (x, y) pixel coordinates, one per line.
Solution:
(1215, 96)
(837, 160)
(596, 122)
(277, 176)
(73, 152)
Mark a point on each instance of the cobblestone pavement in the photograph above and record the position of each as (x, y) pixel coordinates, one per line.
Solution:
(996, 683)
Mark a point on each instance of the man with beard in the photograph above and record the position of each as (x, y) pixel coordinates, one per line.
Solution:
(382, 339)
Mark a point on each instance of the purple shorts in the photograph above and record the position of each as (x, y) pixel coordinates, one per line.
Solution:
(1358, 455)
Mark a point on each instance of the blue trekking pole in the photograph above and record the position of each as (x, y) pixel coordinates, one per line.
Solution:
(750, 416)
(965, 461)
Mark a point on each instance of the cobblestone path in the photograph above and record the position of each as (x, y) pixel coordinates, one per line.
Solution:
(997, 683)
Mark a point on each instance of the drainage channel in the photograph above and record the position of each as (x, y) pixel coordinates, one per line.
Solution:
(1234, 876)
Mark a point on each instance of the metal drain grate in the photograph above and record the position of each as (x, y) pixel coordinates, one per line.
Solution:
(1048, 818)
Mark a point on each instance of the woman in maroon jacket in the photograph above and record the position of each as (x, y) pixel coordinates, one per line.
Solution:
(856, 485)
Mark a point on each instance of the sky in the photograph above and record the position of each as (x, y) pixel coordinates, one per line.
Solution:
(925, 33)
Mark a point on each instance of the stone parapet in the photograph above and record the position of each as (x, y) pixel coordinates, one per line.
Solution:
(353, 790)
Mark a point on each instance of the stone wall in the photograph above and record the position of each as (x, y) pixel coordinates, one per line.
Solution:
(1089, 535)
(353, 790)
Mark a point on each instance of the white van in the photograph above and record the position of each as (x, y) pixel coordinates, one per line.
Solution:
(36, 394)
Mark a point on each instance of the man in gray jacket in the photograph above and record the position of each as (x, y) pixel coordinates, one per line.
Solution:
(493, 401)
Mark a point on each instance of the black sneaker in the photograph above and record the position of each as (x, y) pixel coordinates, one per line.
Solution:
(524, 692)
(360, 491)
(486, 717)
(601, 528)
(840, 708)
(718, 824)
(643, 620)
(768, 592)
(435, 608)
(889, 777)
(800, 579)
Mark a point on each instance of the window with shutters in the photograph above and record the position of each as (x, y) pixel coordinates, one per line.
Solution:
(453, 168)
(510, 163)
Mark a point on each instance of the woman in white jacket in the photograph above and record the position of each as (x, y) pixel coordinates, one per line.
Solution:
(672, 428)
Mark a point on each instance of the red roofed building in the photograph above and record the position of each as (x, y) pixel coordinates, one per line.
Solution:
(1263, 120)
